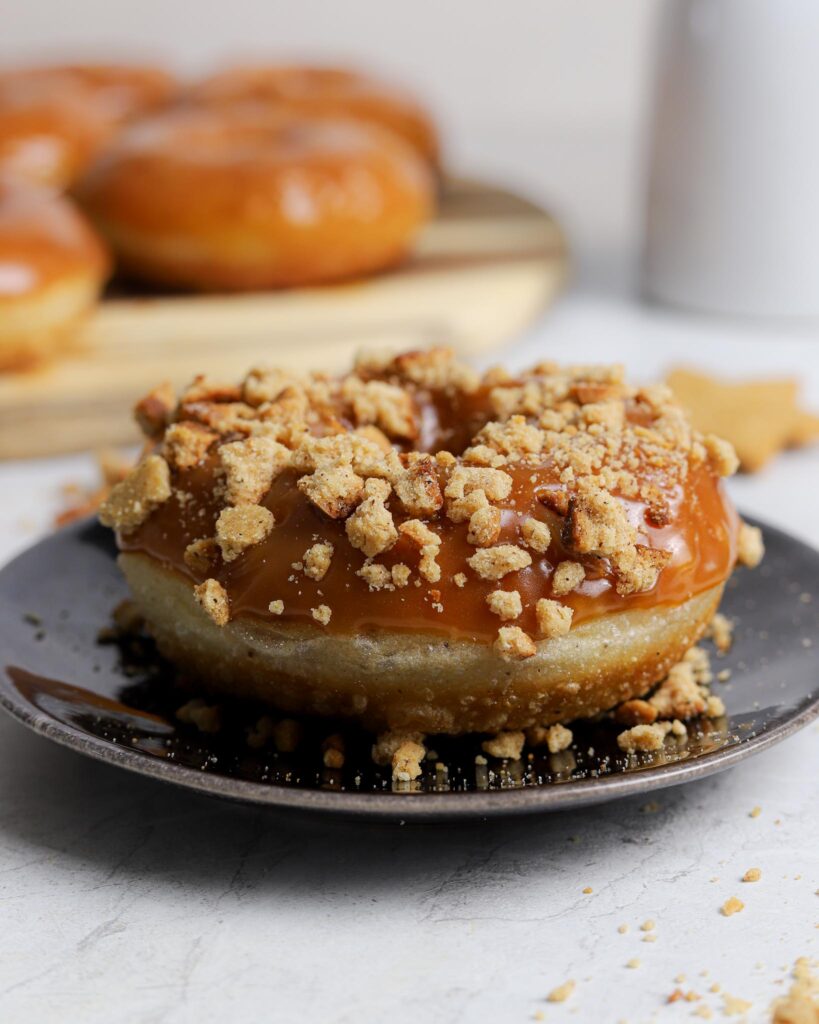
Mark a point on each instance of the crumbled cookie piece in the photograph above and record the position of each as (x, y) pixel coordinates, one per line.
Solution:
(200, 555)
(417, 488)
(484, 527)
(461, 509)
(371, 528)
(678, 696)
(553, 618)
(721, 455)
(750, 547)
(213, 598)
(635, 712)
(387, 743)
(558, 738)
(407, 760)
(506, 745)
(240, 527)
(153, 411)
(335, 490)
(506, 604)
(643, 737)
(460, 580)
(131, 501)
(428, 543)
(561, 993)
(206, 717)
(536, 535)
(276, 607)
(250, 468)
(512, 644)
(386, 406)
(317, 559)
(752, 875)
(721, 631)
(185, 444)
(322, 614)
(496, 562)
(714, 706)
(377, 577)
(731, 906)
(400, 574)
(567, 577)
(495, 484)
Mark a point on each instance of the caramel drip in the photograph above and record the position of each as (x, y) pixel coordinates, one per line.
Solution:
(701, 534)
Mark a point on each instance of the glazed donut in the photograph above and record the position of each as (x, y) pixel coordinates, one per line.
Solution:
(54, 119)
(420, 549)
(324, 92)
(244, 199)
(52, 268)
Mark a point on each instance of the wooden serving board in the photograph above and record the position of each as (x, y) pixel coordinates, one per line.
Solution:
(482, 271)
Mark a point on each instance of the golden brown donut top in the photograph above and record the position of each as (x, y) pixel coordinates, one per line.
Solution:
(324, 91)
(200, 168)
(43, 238)
(410, 494)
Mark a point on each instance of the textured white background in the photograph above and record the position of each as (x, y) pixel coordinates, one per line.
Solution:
(123, 901)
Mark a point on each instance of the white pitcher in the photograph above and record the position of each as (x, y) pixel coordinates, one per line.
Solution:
(732, 219)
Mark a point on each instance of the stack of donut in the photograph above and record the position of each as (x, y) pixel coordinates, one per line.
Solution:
(255, 178)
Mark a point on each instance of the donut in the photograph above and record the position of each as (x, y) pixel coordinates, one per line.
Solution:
(414, 547)
(54, 119)
(323, 92)
(52, 268)
(244, 199)
(47, 138)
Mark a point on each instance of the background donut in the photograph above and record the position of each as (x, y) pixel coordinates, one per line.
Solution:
(246, 199)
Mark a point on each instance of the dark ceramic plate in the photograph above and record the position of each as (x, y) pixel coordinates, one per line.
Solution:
(116, 702)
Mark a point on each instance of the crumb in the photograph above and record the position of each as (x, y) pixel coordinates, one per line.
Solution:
(206, 717)
(567, 577)
(752, 875)
(322, 614)
(212, 597)
(561, 993)
(506, 604)
(588, 890)
(643, 738)
(201, 555)
(495, 563)
(556, 737)
(133, 500)
(505, 744)
(484, 527)
(240, 527)
(333, 751)
(536, 535)
(755, 812)
(512, 644)
(634, 963)
(721, 631)
(751, 547)
(733, 1006)
(317, 560)
(406, 761)
(459, 579)
(553, 618)
(622, 929)
(276, 607)
(635, 712)
(731, 906)
(647, 926)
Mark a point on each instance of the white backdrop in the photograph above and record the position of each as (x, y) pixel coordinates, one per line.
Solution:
(524, 89)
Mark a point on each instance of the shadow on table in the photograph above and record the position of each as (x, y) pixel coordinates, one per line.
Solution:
(100, 821)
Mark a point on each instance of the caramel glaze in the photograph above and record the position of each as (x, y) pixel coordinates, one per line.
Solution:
(701, 534)
(43, 239)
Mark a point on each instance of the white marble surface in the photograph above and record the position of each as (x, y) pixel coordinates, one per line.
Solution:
(125, 900)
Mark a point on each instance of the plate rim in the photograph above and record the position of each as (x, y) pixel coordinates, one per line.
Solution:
(398, 806)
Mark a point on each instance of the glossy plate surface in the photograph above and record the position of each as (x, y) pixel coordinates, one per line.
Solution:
(117, 703)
